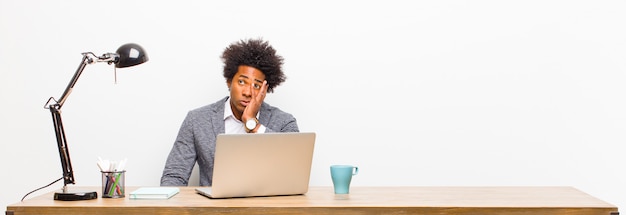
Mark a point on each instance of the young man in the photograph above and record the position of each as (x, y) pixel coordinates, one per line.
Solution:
(251, 68)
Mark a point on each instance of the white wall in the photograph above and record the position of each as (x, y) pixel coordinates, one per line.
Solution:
(423, 93)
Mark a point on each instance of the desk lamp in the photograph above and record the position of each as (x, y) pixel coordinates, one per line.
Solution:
(126, 55)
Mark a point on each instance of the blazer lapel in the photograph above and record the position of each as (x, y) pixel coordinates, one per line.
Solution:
(217, 117)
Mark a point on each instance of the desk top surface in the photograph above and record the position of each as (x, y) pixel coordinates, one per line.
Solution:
(365, 196)
(323, 199)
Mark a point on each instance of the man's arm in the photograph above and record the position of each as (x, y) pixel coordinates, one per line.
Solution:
(281, 122)
(182, 157)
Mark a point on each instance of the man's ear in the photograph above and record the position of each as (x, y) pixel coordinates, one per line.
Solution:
(228, 82)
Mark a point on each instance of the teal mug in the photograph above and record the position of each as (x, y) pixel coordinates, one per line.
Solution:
(342, 175)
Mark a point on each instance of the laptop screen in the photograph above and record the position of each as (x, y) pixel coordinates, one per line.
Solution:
(263, 164)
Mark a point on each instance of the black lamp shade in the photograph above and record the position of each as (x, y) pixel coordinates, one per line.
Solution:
(131, 54)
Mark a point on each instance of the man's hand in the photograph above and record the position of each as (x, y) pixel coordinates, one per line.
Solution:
(254, 106)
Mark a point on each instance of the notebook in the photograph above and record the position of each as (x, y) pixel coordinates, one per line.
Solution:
(154, 193)
(265, 164)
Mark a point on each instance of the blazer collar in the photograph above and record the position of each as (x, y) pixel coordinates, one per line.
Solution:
(218, 116)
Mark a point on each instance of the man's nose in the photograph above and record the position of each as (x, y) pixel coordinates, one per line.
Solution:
(246, 90)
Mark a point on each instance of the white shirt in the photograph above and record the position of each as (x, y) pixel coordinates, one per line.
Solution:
(233, 125)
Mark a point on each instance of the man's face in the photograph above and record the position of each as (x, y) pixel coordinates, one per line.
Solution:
(246, 81)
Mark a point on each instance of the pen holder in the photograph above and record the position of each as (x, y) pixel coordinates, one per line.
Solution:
(113, 184)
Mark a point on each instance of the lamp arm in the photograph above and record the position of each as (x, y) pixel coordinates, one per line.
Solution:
(86, 60)
(55, 110)
(64, 153)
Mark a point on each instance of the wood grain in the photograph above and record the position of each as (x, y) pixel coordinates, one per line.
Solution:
(361, 200)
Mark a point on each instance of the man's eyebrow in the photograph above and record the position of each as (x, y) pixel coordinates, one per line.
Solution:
(244, 76)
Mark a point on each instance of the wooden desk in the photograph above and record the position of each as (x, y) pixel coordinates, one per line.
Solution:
(361, 200)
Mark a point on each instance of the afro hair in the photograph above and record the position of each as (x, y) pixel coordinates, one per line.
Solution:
(254, 53)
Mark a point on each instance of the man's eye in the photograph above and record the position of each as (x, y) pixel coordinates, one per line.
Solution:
(241, 82)
(256, 86)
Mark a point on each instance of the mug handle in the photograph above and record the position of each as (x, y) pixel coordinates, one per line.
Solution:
(355, 170)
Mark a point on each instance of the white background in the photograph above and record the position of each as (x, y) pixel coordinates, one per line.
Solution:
(419, 93)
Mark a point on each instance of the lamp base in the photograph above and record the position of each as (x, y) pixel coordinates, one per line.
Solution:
(75, 196)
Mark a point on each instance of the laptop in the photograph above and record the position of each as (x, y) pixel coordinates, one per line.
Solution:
(265, 164)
